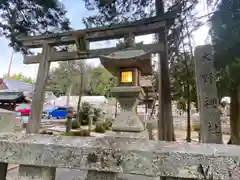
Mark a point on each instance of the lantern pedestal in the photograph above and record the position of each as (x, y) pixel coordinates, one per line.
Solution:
(128, 120)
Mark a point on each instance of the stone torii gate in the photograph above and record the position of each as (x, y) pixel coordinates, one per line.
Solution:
(82, 39)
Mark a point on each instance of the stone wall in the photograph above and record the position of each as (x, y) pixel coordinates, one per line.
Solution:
(107, 156)
(180, 123)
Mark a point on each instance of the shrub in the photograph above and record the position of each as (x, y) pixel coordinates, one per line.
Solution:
(75, 124)
(84, 113)
(66, 134)
(82, 132)
(108, 123)
(97, 114)
(46, 132)
(196, 127)
(100, 127)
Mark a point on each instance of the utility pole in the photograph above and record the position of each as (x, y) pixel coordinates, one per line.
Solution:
(10, 64)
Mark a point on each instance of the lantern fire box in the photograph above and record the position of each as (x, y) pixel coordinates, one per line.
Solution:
(128, 65)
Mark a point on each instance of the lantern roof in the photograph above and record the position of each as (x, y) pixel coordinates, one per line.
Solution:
(128, 58)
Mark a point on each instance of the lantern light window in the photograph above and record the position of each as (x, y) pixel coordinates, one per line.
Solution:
(126, 77)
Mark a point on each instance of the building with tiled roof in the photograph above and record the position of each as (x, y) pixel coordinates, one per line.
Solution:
(149, 87)
(9, 84)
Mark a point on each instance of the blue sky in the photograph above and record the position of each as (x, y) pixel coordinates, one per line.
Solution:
(76, 11)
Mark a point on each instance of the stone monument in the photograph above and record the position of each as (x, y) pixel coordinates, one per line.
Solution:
(207, 95)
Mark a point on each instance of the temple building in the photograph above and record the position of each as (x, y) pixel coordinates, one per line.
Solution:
(14, 92)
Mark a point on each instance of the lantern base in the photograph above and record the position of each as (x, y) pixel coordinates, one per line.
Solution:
(128, 120)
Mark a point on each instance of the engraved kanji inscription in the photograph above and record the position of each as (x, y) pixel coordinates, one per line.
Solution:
(210, 102)
(214, 128)
(207, 78)
(206, 57)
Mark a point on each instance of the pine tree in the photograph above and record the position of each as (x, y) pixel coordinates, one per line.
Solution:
(31, 17)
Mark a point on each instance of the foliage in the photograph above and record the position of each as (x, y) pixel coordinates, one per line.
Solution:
(103, 126)
(59, 79)
(108, 123)
(97, 113)
(101, 82)
(100, 127)
(82, 132)
(96, 81)
(46, 132)
(116, 11)
(181, 74)
(31, 17)
(20, 77)
(196, 127)
(75, 124)
(226, 39)
(84, 113)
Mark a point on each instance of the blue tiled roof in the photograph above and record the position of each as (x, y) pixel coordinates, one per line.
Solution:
(16, 85)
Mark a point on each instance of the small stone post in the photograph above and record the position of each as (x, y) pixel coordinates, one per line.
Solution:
(69, 124)
(91, 115)
(210, 123)
(69, 121)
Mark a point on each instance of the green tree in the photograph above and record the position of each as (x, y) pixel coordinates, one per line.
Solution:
(226, 40)
(57, 79)
(31, 17)
(20, 77)
(183, 86)
(66, 75)
(101, 82)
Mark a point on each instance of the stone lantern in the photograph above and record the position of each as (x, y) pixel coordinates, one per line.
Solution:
(128, 65)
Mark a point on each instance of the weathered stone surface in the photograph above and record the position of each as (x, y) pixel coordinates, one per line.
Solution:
(34, 172)
(8, 121)
(207, 95)
(141, 135)
(125, 155)
(95, 175)
(135, 177)
(128, 98)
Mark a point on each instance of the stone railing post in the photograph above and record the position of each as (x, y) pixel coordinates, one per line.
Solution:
(32, 172)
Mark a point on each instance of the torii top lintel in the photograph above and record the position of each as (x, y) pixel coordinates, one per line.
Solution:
(140, 27)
